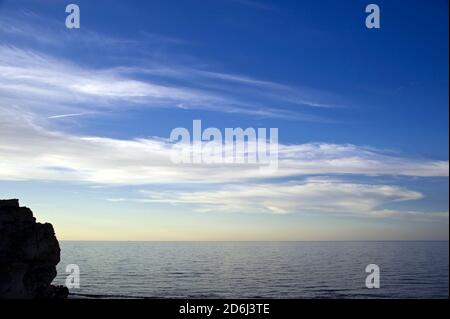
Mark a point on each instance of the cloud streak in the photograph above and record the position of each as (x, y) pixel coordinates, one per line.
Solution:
(318, 196)
(29, 151)
(29, 75)
(27, 78)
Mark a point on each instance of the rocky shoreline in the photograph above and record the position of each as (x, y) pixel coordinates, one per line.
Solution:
(29, 253)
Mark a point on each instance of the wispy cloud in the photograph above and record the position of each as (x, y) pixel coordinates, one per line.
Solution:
(27, 78)
(60, 116)
(30, 26)
(148, 36)
(28, 72)
(166, 84)
(295, 95)
(31, 152)
(323, 196)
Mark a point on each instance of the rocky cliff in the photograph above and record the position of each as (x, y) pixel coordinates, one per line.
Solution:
(29, 253)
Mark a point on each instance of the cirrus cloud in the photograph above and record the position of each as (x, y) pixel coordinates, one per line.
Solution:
(318, 196)
(29, 151)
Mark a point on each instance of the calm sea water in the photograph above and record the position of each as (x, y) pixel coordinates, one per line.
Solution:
(257, 269)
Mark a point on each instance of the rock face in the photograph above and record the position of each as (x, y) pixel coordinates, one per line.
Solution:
(29, 253)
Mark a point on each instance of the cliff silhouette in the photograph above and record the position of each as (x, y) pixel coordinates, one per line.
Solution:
(29, 253)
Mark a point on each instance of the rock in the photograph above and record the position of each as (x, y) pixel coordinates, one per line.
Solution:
(55, 292)
(29, 253)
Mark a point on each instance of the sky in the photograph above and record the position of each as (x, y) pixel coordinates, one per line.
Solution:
(362, 118)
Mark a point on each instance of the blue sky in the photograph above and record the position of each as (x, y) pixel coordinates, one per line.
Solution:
(362, 117)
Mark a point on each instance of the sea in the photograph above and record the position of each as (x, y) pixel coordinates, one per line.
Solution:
(108, 269)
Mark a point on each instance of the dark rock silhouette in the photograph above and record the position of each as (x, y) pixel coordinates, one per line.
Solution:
(29, 253)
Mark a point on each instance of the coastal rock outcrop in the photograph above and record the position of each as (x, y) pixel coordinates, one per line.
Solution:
(29, 253)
